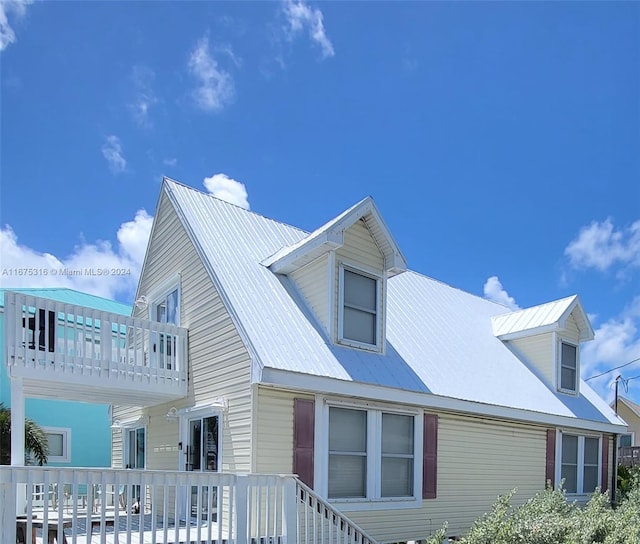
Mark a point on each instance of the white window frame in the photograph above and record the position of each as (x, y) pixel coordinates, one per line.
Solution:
(374, 499)
(580, 461)
(126, 429)
(377, 347)
(632, 434)
(575, 391)
(66, 444)
(159, 295)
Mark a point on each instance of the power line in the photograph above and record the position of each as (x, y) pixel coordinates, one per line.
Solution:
(612, 369)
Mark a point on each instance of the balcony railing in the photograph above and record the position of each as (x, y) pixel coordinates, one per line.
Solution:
(629, 456)
(113, 357)
(81, 506)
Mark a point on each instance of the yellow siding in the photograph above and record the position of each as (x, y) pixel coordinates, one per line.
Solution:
(632, 420)
(274, 430)
(313, 283)
(478, 459)
(571, 332)
(219, 364)
(539, 351)
(359, 249)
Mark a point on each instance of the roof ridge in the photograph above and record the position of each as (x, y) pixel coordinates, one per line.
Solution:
(210, 195)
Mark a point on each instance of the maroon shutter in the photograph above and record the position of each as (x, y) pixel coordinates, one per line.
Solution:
(550, 472)
(605, 464)
(430, 456)
(303, 432)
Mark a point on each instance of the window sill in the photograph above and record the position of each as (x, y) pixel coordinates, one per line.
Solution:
(359, 505)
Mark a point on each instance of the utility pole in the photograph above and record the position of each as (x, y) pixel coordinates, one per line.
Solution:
(616, 397)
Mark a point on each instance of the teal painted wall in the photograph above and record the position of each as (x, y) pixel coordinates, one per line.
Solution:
(90, 424)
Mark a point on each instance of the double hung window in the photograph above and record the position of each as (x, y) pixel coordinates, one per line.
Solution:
(580, 463)
(359, 309)
(372, 454)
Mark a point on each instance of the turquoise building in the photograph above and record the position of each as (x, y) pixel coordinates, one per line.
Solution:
(79, 433)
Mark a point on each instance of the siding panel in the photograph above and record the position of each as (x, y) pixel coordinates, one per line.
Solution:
(219, 364)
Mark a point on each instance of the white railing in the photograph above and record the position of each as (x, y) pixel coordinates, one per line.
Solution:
(319, 522)
(134, 506)
(49, 340)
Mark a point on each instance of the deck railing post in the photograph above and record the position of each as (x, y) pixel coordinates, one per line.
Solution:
(8, 509)
(290, 510)
(241, 507)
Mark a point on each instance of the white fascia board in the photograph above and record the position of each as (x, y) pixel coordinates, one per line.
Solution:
(553, 327)
(324, 385)
(306, 252)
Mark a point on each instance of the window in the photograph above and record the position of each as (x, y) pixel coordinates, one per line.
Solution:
(134, 448)
(359, 309)
(59, 440)
(580, 463)
(626, 440)
(372, 454)
(568, 367)
(165, 309)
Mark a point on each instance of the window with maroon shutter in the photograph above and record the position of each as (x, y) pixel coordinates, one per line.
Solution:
(303, 439)
(550, 472)
(430, 457)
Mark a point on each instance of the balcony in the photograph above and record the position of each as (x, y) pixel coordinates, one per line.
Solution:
(78, 353)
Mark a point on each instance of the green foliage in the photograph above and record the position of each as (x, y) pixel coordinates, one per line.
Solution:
(35, 439)
(438, 536)
(547, 518)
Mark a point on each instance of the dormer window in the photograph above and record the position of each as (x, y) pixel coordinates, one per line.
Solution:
(359, 309)
(568, 367)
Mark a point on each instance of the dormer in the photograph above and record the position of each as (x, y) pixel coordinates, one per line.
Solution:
(341, 270)
(548, 337)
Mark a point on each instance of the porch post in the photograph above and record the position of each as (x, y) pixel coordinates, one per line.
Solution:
(290, 525)
(242, 506)
(17, 422)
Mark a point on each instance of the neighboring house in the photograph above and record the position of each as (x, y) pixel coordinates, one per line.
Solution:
(79, 433)
(629, 442)
(400, 400)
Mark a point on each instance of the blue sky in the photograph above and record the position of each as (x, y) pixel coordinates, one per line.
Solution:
(500, 140)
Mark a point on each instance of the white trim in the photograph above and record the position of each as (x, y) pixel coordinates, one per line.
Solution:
(66, 444)
(580, 460)
(378, 278)
(558, 363)
(310, 383)
(374, 410)
(628, 433)
(161, 292)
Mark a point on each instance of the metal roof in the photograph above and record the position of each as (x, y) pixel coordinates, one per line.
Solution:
(71, 296)
(545, 317)
(439, 339)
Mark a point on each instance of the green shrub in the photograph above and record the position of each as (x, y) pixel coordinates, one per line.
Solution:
(547, 518)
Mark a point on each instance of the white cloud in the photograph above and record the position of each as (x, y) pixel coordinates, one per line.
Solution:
(223, 187)
(299, 17)
(494, 291)
(16, 8)
(602, 247)
(616, 342)
(145, 98)
(112, 151)
(123, 263)
(215, 89)
(172, 161)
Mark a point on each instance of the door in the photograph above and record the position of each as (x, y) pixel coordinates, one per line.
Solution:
(202, 454)
(163, 348)
(135, 458)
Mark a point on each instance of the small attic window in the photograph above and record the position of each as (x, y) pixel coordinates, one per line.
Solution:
(359, 315)
(568, 367)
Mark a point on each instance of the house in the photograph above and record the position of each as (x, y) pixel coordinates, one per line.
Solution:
(70, 426)
(629, 442)
(401, 401)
